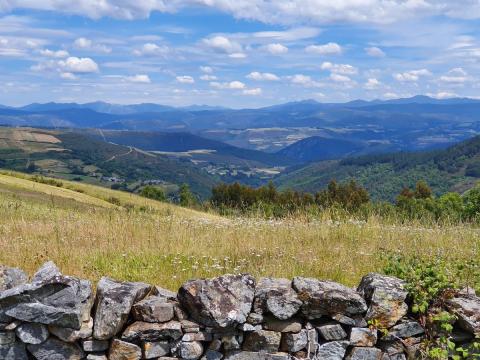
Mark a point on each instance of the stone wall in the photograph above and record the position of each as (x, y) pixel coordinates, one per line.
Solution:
(232, 317)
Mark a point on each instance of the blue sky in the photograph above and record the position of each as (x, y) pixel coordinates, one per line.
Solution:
(237, 53)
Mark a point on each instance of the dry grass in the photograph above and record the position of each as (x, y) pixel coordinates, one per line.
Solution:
(165, 245)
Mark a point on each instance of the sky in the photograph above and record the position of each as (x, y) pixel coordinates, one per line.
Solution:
(237, 53)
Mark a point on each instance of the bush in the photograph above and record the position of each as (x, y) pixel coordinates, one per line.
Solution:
(153, 193)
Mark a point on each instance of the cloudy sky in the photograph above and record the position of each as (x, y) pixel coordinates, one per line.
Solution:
(237, 53)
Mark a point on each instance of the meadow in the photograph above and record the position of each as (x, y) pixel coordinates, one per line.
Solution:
(90, 232)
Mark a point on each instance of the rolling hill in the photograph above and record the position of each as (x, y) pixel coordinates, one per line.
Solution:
(456, 168)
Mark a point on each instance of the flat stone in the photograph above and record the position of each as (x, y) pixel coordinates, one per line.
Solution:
(15, 351)
(191, 350)
(7, 337)
(332, 332)
(96, 357)
(363, 337)
(143, 331)
(32, 333)
(356, 321)
(95, 345)
(364, 353)
(294, 342)
(212, 355)
(152, 350)
(199, 336)
(327, 297)
(385, 296)
(71, 335)
(54, 349)
(46, 272)
(153, 309)
(11, 277)
(334, 350)
(190, 326)
(262, 340)
(274, 324)
(467, 309)
(121, 350)
(164, 293)
(404, 330)
(114, 302)
(222, 302)
(252, 355)
(277, 297)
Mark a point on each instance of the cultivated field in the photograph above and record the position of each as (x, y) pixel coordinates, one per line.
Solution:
(90, 232)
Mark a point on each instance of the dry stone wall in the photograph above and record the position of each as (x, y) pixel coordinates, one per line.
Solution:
(232, 317)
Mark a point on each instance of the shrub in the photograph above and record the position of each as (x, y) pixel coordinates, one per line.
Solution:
(153, 192)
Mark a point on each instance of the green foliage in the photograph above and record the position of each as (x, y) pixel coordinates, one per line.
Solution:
(187, 199)
(471, 202)
(47, 181)
(154, 193)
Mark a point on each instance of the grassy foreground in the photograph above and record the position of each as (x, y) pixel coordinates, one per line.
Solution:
(90, 232)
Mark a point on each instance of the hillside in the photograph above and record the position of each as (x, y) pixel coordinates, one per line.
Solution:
(454, 169)
(77, 156)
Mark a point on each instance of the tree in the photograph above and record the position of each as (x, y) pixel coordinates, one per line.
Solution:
(186, 197)
(422, 190)
(153, 192)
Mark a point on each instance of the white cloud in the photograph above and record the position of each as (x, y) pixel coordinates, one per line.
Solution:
(224, 44)
(303, 80)
(443, 95)
(252, 92)
(344, 69)
(372, 84)
(238, 55)
(77, 65)
(87, 44)
(139, 78)
(276, 49)
(411, 76)
(233, 85)
(68, 76)
(151, 49)
(327, 49)
(375, 52)
(340, 78)
(54, 54)
(262, 76)
(185, 79)
(207, 77)
(455, 76)
(206, 69)
(391, 95)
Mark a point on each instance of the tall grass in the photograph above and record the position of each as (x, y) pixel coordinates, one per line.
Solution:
(166, 245)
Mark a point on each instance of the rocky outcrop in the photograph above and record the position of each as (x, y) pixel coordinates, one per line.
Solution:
(231, 317)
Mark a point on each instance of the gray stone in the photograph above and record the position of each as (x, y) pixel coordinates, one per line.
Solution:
(277, 297)
(71, 335)
(254, 319)
(385, 296)
(191, 350)
(45, 314)
(223, 302)
(248, 327)
(467, 309)
(262, 340)
(95, 345)
(252, 355)
(143, 331)
(96, 357)
(404, 330)
(327, 298)
(153, 309)
(121, 350)
(312, 344)
(54, 349)
(152, 350)
(332, 332)
(334, 350)
(199, 336)
(212, 355)
(356, 321)
(113, 305)
(363, 337)
(164, 293)
(364, 353)
(294, 342)
(15, 351)
(7, 337)
(274, 324)
(11, 277)
(32, 333)
(190, 326)
(13, 325)
(46, 272)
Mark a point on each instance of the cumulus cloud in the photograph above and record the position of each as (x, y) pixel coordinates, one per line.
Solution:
(455, 76)
(223, 44)
(206, 69)
(375, 52)
(151, 49)
(303, 80)
(233, 85)
(340, 78)
(207, 77)
(77, 65)
(372, 84)
(54, 54)
(185, 79)
(443, 95)
(258, 76)
(276, 49)
(252, 92)
(68, 76)
(139, 78)
(412, 76)
(326, 49)
(87, 44)
(344, 69)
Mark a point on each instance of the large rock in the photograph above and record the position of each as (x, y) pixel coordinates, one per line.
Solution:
(327, 298)
(153, 309)
(113, 304)
(277, 297)
(334, 350)
(220, 302)
(121, 350)
(294, 342)
(32, 333)
(467, 309)
(385, 296)
(15, 351)
(262, 340)
(404, 330)
(332, 332)
(365, 353)
(11, 277)
(363, 337)
(191, 350)
(72, 335)
(292, 325)
(54, 349)
(143, 331)
(46, 272)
